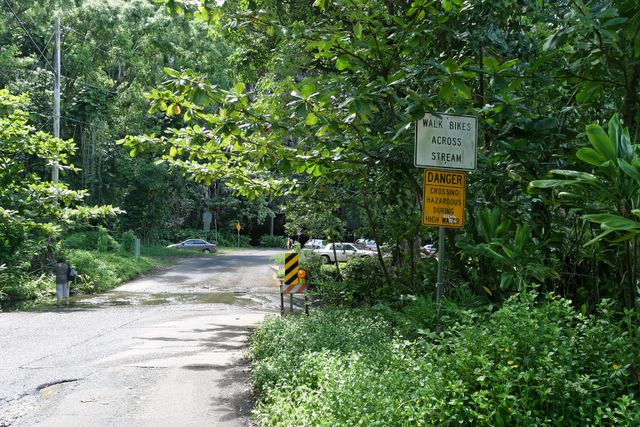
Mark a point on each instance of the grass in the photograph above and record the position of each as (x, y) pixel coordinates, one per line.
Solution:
(100, 272)
(279, 259)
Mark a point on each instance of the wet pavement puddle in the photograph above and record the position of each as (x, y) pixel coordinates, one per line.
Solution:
(114, 299)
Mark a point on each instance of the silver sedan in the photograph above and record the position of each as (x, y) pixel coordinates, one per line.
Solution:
(195, 245)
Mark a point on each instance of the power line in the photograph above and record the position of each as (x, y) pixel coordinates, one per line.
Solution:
(27, 32)
(62, 117)
(42, 53)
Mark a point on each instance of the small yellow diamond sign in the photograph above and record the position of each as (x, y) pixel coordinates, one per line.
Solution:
(443, 200)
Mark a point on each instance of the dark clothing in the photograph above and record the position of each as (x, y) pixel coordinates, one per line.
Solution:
(62, 270)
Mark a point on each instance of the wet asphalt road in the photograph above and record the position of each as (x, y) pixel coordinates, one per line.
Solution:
(164, 350)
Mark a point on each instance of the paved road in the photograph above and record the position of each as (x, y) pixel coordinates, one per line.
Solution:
(165, 350)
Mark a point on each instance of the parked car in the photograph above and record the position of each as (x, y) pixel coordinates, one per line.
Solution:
(343, 251)
(429, 250)
(314, 244)
(196, 245)
(366, 244)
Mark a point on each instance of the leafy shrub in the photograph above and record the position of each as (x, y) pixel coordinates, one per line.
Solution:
(419, 314)
(17, 288)
(365, 277)
(269, 241)
(362, 280)
(128, 242)
(231, 240)
(87, 240)
(528, 363)
(101, 271)
(106, 243)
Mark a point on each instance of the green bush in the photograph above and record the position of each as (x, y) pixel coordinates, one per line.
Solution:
(18, 288)
(87, 240)
(269, 241)
(128, 242)
(231, 240)
(362, 280)
(365, 278)
(528, 363)
(100, 271)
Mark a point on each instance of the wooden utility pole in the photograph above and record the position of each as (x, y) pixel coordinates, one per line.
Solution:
(56, 97)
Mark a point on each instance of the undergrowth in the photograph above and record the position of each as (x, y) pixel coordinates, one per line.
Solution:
(527, 363)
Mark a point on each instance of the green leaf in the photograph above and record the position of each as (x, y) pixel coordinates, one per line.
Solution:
(307, 91)
(446, 92)
(311, 119)
(490, 63)
(600, 141)
(463, 90)
(171, 72)
(629, 170)
(619, 137)
(555, 40)
(613, 222)
(591, 156)
(200, 97)
(342, 63)
(505, 280)
(357, 30)
(581, 176)
(323, 130)
(550, 183)
(450, 66)
(173, 151)
(239, 88)
(615, 21)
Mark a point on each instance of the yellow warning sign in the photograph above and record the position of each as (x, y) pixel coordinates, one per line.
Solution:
(291, 268)
(443, 201)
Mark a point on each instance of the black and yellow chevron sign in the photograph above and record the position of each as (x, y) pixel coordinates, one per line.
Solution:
(291, 268)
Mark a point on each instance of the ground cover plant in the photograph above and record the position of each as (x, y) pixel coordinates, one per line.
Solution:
(100, 272)
(526, 363)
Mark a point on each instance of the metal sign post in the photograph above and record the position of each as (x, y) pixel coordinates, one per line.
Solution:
(440, 282)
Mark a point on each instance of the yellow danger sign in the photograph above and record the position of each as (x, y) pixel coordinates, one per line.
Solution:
(443, 201)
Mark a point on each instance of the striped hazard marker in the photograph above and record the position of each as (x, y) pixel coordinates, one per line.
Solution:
(294, 281)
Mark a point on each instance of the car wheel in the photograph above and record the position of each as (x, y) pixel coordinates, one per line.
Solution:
(326, 259)
(206, 250)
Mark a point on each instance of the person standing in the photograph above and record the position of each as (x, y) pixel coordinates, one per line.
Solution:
(62, 270)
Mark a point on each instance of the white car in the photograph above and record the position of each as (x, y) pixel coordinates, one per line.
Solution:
(429, 250)
(314, 244)
(343, 251)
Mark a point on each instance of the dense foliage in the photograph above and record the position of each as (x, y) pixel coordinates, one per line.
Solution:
(34, 211)
(271, 106)
(523, 364)
(323, 108)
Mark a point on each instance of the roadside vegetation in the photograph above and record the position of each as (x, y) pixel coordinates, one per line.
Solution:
(250, 112)
(531, 361)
